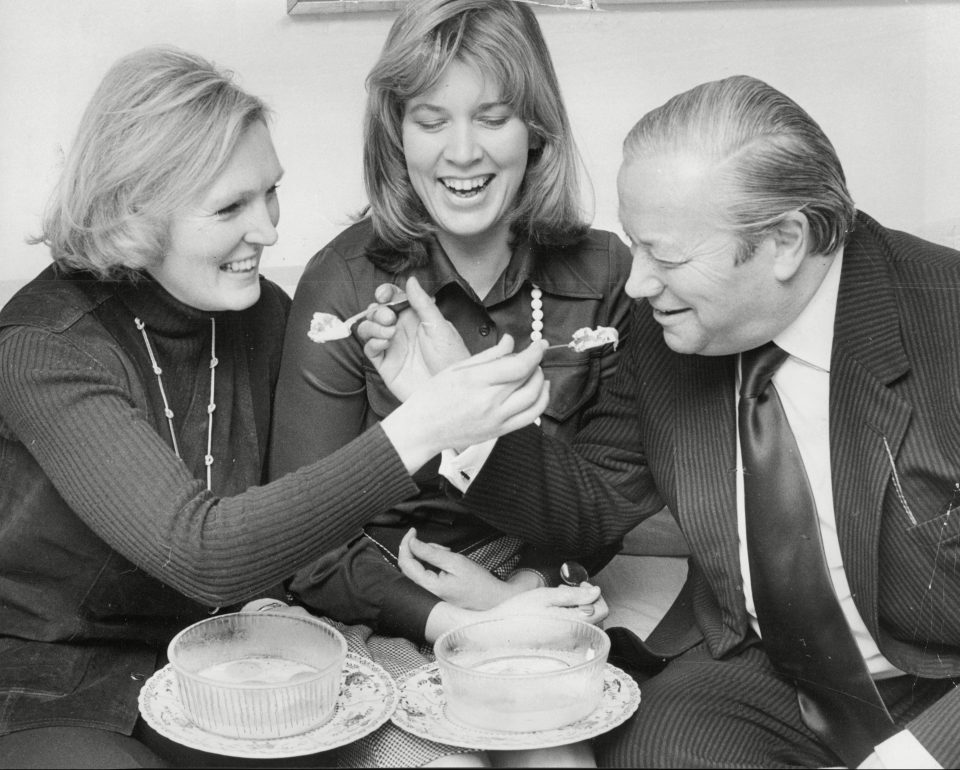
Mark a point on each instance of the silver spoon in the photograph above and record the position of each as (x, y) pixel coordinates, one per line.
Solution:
(573, 573)
(326, 327)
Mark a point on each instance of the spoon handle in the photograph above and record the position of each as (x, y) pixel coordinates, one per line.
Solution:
(396, 306)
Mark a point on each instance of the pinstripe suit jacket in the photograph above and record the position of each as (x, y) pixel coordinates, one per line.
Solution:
(665, 433)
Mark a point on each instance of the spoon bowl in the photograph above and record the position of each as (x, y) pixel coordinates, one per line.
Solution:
(573, 573)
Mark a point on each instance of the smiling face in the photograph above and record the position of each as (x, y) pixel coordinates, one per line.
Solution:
(684, 262)
(215, 245)
(466, 154)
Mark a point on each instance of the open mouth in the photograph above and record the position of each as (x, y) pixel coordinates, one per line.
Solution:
(467, 188)
(240, 266)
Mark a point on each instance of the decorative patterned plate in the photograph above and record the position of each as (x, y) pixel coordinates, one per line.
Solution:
(368, 697)
(422, 711)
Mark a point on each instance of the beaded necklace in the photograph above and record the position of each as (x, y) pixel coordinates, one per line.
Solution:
(168, 412)
(536, 313)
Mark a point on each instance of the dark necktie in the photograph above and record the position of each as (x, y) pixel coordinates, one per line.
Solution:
(805, 633)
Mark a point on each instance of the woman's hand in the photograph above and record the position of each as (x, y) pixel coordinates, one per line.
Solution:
(455, 578)
(274, 605)
(409, 348)
(483, 397)
(582, 602)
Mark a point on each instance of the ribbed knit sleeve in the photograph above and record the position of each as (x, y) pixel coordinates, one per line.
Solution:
(79, 421)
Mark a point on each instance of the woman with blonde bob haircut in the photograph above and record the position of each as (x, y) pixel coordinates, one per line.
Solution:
(138, 374)
(473, 183)
(144, 149)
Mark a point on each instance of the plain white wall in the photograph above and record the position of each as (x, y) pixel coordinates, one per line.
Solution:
(881, 76)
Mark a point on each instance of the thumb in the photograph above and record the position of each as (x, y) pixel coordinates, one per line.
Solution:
(422, 303)
(503, 348)
(436, 555)
(387, 292)
(568, 596)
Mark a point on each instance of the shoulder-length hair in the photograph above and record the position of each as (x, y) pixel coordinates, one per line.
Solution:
(159, 129)
(502, 38)
(769, 155)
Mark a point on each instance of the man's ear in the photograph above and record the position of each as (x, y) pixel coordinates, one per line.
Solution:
(791, 239)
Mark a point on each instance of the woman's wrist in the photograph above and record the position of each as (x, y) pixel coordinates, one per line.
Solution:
(408, 439)
(527, 578)
(445, 616)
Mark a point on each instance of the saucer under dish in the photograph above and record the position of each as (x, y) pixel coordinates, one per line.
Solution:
(422, 711)
(367, 699)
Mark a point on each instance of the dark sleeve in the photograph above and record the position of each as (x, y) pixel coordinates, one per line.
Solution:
(936, 729)
(581, 497)
(618, 306)
(547, 561)
(77, 416)
(321, 404)
(355, 584)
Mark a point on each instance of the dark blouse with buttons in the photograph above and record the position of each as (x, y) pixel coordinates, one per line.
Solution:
(329, 393)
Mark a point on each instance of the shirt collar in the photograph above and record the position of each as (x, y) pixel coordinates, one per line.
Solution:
(810, 336)
(554, 272)
(439, 272)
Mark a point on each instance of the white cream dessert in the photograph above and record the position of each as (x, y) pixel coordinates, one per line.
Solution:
(326, 326)
(586, 338)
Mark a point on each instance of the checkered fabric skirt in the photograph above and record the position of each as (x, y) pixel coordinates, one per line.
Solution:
(389, 746)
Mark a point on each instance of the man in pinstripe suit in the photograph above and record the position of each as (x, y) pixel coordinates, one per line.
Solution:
(743, 231)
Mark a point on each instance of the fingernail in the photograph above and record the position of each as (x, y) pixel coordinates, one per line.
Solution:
(586, 609)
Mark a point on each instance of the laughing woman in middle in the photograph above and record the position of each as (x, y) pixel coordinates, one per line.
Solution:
(472, 178)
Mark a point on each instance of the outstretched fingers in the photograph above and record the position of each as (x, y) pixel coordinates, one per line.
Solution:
(413, 567)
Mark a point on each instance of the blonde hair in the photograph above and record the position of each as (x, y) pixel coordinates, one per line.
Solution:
(159, 129)
(770, 154)
(503, 39)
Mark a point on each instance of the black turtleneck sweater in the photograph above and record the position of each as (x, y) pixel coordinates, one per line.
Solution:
(109, 543)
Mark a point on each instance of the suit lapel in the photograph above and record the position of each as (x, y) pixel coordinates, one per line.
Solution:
(867, 420)
(706, 496)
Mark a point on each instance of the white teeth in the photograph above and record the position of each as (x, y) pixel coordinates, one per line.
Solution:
(240, 267)
(466, 185)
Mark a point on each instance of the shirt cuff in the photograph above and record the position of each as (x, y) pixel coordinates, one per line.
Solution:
(903, 750)
(461, 468)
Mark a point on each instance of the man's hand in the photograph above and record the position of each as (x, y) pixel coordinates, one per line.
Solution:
(407, 349)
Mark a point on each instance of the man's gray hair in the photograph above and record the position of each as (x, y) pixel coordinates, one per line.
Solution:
(770, 157)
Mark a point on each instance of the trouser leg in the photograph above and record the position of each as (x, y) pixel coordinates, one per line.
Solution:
(74, 747)
(701, 712)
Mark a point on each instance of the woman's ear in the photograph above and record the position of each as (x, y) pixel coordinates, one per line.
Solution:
(791, 239)
(534, 140)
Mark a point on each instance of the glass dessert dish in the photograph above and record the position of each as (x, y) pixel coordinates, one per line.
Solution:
(523, 673)
(258, 675)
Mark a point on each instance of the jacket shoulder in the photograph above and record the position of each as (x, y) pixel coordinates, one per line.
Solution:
(904, 250)
(596, 265)
(54, 300)
(351, 244)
